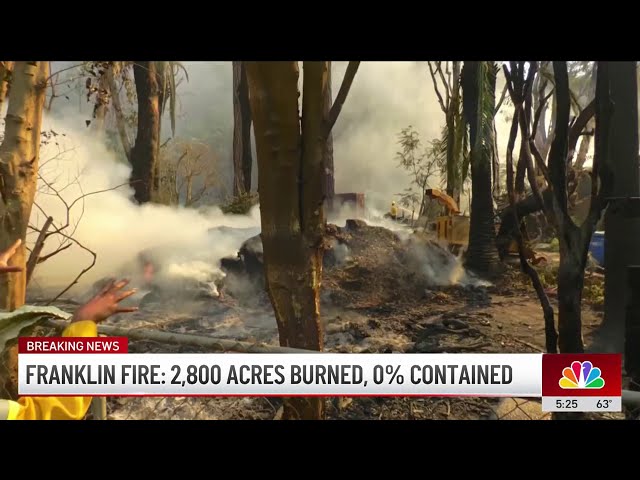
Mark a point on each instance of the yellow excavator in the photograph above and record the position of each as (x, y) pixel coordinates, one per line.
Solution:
(453, 227)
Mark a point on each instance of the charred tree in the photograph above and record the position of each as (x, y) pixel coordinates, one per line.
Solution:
(478, 89)
(533, 203)
(574, 239)
(242, 158)
(19, 154)
(291, 184)
(114, 96)
(330, 180)
(621, 231)
(145, 152)
(520, 91)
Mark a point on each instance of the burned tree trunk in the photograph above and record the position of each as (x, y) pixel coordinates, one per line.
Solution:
(6, 68)
(621, 232)
(242, 158)
(330, 180)
(453, 156)
(19, 170)
(291, 184)
(570, 284)
(288, 204)
(144, 154)
(574, 240)
(478, 88)
(114, 93)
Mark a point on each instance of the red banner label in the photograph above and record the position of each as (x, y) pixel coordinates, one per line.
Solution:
(582, 375)
(73, 345)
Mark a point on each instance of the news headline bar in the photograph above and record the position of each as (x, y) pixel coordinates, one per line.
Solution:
(97, 374)
(103, 367)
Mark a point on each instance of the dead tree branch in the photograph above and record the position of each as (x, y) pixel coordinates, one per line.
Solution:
(94, 257)
(34, 257)
(444, 106)
(349, 75)
(549, 322)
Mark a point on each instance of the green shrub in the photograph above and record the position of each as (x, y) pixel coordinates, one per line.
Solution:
(241, 204)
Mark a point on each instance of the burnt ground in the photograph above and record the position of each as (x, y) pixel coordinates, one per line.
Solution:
(381, 293)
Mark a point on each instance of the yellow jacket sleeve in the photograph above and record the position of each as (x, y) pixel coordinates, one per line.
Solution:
(55, 408)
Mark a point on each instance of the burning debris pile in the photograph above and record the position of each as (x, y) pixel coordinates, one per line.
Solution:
(367, 263)
(366, 269)
(363, 265)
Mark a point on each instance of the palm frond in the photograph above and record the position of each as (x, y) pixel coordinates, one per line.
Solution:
(478, 84)
(486, 106)
(179, 66)
(172, 97)
(466, 155)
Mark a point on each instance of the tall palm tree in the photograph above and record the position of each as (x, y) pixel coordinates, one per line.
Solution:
(478, 103)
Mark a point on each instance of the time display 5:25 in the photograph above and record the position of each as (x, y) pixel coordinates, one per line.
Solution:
(566, 404)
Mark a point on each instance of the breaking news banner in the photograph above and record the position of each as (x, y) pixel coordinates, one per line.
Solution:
(103, 367)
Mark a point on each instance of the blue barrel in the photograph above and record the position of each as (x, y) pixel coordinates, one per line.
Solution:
(597, 247)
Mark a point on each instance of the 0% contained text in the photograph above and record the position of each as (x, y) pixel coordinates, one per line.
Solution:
(387, 374)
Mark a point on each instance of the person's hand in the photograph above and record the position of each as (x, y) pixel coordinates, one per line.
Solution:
(6, 256)
(105, 303)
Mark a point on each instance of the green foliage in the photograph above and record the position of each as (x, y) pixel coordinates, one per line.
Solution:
(438, 149)
(241, 204)
(479, 109)
(548, 276)
(12, 323)
(419, 162)
(594, 293)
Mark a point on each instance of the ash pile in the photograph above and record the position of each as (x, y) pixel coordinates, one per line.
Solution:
(362, 263)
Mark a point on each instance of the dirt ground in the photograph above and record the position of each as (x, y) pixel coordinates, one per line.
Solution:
(383, 293)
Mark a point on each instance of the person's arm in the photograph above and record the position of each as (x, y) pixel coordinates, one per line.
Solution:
(54, 408)
(83, 324)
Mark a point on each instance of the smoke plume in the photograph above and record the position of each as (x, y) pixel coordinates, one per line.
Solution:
(92, 181)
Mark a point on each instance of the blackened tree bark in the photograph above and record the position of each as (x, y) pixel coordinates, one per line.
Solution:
(478, 103)
(144, 154)
(574, 239)
(330, 180)
(520, 90)
(533, 203)
(622, 247)
(242, 158)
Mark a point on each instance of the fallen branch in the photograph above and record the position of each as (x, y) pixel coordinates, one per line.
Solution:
(530, 345)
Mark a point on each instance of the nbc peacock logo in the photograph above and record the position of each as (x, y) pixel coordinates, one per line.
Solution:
(581, 375)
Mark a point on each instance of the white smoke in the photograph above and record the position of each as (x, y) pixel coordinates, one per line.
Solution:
(107, 222)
